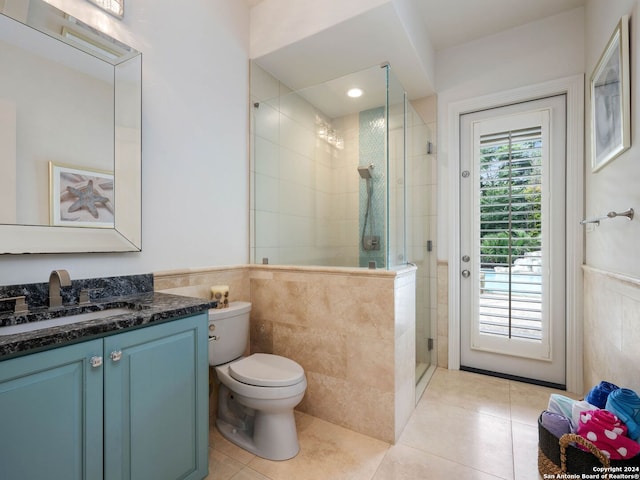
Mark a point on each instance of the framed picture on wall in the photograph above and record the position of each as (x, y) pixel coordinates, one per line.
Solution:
(610, 100)
(80, 197)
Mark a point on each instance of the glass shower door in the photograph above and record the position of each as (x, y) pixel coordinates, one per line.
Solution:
(421, 221)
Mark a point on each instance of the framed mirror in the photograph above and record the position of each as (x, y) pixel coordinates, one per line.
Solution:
(70, 139)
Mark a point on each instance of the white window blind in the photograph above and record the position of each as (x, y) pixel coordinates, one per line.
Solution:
(510, 234)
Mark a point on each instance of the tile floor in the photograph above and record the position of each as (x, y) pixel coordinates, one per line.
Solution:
(466, 426)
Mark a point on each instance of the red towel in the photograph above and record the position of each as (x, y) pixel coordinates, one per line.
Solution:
(608, 434)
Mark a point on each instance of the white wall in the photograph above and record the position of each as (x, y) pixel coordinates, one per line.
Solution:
(612, 275)
(613, 245)
(194, 137)
(302, 19)
(545, 50)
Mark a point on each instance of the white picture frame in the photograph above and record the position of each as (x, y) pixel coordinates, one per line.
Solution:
(80, 197)
(610, 100)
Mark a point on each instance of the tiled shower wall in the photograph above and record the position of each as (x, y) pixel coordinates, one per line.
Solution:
(372, 152)
(352, 330)
(305, 190)
(343, 217)
(309, 201)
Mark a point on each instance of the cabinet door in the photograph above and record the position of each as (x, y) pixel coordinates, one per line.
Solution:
(51, 414)
(156, 402)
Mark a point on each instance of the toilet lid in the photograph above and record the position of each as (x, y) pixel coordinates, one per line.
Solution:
(265, 370)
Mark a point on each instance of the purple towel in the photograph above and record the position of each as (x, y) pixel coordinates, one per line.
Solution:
(557, 424)
(598, 395)
(625, 404)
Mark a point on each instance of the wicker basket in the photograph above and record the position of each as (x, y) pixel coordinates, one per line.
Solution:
(557, 457)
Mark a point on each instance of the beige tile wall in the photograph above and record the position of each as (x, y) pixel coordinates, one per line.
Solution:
(352, 330)
(443, 314)
(197, 282)
(611, 329)
(405, 349)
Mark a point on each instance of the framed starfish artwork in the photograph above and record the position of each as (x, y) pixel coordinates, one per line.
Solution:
(80, 197)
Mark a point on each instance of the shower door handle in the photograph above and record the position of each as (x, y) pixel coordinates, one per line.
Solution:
(466, 273)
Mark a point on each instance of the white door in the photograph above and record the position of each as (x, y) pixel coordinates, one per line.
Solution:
(512, 240)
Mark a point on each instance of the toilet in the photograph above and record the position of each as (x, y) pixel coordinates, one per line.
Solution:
(257, 392)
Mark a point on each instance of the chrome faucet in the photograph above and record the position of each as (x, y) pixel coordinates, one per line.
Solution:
(57, 279)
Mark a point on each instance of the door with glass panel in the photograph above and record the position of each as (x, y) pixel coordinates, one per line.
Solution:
(512, 240)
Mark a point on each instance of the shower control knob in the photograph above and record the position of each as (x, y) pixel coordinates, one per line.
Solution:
(466, 273)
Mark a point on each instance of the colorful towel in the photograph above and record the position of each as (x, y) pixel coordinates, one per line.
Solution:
(577, 408)
(608, 434)
(598, 395)
(560, 404)
(625, 404)
(557, 424)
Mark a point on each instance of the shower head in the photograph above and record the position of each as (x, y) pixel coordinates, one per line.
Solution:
(366, 172)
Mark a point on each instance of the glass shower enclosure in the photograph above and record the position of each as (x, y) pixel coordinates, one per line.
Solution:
(335, 178)
(327, 171)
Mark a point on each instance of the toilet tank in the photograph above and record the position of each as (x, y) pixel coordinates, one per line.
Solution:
(228, 332)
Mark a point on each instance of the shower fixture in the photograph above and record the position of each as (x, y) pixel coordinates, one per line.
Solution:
(368, 242)
(366, 172)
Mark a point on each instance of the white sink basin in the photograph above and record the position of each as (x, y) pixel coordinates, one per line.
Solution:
(55, 322)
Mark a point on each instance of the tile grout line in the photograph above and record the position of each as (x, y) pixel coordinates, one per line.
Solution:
(513, 452)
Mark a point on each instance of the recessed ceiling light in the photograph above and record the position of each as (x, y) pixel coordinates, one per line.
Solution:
(354, 93)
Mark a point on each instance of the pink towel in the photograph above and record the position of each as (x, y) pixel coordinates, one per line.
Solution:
(608, 434)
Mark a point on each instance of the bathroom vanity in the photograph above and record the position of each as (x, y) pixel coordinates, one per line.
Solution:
(124, 396)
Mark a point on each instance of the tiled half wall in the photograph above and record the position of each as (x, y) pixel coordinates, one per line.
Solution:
(611, 329)
(352, 330)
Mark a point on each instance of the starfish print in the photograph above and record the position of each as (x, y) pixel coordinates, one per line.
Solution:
(87, 198)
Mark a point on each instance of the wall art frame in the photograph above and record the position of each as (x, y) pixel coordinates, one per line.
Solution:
(610, 100)
(79, 197)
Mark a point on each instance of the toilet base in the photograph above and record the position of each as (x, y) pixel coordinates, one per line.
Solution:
(259, 423)
(273, 438)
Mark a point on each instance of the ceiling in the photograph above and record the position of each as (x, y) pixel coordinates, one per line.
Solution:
(357, 44)
(454, 22)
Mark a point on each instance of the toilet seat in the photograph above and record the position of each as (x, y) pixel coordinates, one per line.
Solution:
(266, 370)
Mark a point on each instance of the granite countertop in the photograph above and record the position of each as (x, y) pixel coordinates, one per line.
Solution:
(144, 309)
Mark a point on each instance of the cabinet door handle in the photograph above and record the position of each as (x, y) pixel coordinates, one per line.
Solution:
(95, 361)
(116, 355)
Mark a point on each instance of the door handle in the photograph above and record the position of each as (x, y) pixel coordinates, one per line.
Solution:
(466, 273)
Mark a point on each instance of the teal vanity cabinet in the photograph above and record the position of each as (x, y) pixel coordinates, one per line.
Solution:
(156, 402)
(51, 409)
(130, 406)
